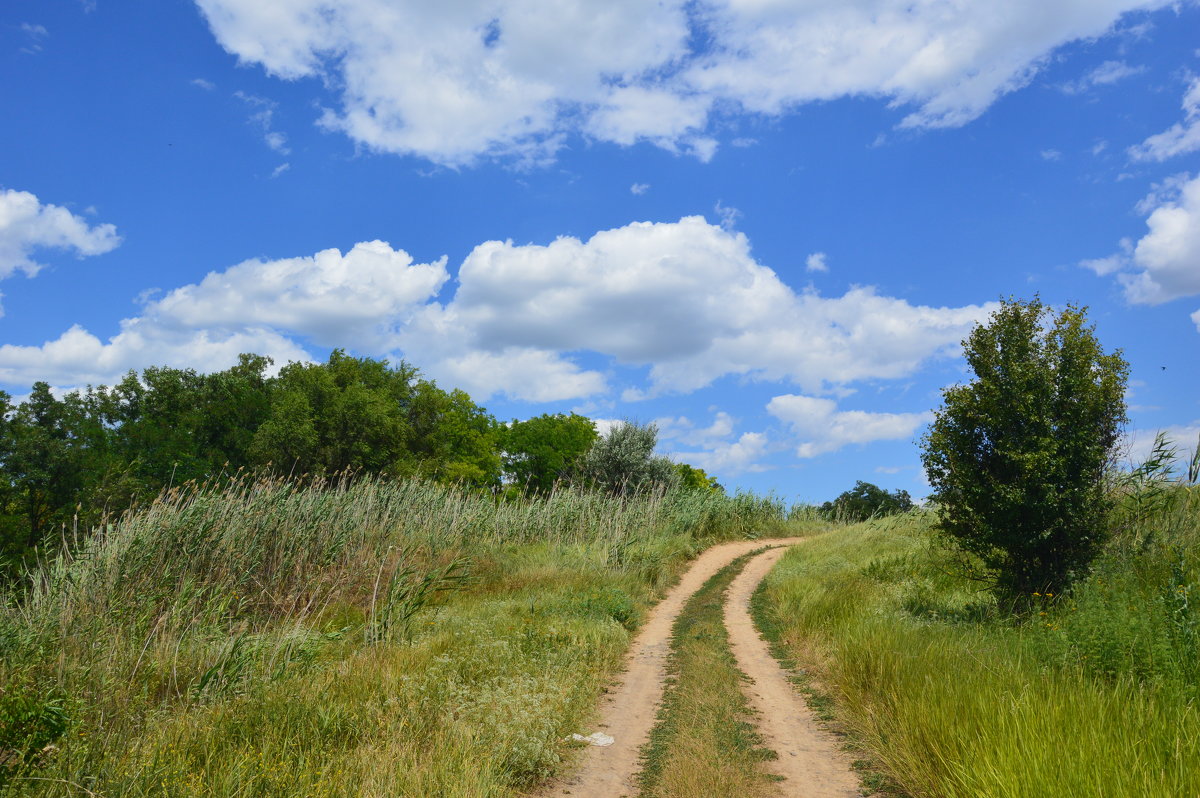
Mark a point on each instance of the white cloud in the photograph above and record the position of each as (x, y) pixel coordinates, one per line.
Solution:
(255, 306)
(1180, 138)
(27, 225)
(816, 262)
(278, 170)
(639, 188)
(1196, 320)
(1169, 254)
(452, 82)
(1165, 263)
(1104, 75)
(730, 458)
(201, 83)
(687, 300)
(821, 428)
(263, 117)
(684, 300)
(1051, 155)
(683, 430)
(34, 34)
(1113, 263)
(1138, 443)
(727, 214)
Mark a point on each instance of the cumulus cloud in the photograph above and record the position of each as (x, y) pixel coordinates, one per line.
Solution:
(821, 428)
(256, 306)
(1165, 263)
(729, 458)
(639, 188)
(816, 262)
(452, 82)
(687, 300)
(1180, 138)
(684, 300)
(26, 225)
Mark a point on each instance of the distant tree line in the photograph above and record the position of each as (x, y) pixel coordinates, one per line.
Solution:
(67, 461)
(865, 501)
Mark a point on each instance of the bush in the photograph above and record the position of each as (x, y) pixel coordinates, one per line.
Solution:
(1017, 457)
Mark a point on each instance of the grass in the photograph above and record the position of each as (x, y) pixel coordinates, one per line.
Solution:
(705, 742)
(1092, 694)
(360, 639)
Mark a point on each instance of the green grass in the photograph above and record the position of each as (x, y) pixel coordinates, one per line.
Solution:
(705, 742)
(374, 638)
(1092, 694)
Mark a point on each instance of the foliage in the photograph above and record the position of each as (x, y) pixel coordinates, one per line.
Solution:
(865, 501)
(623, 461)
(692, 478)
(1017, 457)
(543, 451)
(67, 463)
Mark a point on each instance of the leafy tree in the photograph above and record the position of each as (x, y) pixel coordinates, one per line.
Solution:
(348, 414)
(865, 501)
(1017, 456)
(453, 439)
(691, 478)
(623, 461)
(545, 449)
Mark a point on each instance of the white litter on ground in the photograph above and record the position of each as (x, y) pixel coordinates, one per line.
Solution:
(599, 738)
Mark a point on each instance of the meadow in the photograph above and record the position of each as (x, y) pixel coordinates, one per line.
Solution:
(947, 695)
(367, 637)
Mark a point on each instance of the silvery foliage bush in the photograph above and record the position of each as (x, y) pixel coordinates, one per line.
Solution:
(623, 461)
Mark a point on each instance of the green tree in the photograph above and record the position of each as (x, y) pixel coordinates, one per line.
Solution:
(348, 414)
(543, 450)
(866, 500)
(453, 439)
(623, 461)
(1017, 456)
(692, 478)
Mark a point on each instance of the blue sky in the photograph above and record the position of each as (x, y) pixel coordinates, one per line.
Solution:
(763, 224)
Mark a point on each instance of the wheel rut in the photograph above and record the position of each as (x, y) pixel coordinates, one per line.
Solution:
(810, 761)
(629, 710)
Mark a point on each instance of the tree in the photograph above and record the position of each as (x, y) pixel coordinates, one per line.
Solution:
(865, 501)
(545, 449)
(692, 478)
(453, 439)
(623, 461)
(1017, 456)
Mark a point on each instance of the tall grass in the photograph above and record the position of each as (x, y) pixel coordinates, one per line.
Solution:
(1095, 693)
(360, 638)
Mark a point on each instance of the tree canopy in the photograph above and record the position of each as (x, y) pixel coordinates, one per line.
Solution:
(1017, 456)
(865, 501)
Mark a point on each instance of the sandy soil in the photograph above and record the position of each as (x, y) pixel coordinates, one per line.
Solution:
(630, 708)
(810, 759)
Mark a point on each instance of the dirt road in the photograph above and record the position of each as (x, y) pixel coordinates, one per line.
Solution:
(629, 710)
(810, 760)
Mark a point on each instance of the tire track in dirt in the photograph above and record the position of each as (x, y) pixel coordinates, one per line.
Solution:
(810, 759)
(630, 709)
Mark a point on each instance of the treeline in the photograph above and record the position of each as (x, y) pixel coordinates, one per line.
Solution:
(67, 462)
